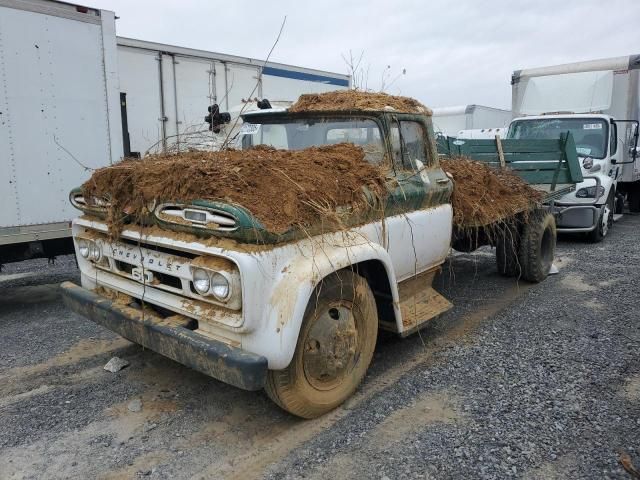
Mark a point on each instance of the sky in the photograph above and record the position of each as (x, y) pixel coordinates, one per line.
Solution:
(451, 53)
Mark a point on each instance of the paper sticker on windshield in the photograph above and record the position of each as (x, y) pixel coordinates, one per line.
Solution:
(249, 128)
(592, 126)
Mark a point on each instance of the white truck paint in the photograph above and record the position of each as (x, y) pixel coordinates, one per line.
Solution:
(168, 88)
(597, 96)
(58, 108)
(285, 275)
(450, 121)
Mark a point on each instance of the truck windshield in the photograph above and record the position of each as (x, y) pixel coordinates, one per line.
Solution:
(590, 134)
(290, 134)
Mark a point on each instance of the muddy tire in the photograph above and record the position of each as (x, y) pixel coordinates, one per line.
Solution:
(334, 350)
(507, 246)
(537, 246)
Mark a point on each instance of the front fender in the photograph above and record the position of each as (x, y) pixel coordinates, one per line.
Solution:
(298, 279)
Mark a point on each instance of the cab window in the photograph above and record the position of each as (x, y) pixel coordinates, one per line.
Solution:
(613, 142)
(407, 144)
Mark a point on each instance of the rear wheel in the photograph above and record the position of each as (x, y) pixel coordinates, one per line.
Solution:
(537, 246)
(335, 347)
(507, 246)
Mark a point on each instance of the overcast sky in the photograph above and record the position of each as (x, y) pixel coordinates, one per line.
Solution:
(454, 53)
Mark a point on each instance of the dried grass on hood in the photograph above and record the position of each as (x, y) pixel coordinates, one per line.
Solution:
(281, 188)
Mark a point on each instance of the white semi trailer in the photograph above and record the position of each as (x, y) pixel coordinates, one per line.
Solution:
(166, 89)
(59, 118)
(450, 121)
(598, 102)
(74, 97)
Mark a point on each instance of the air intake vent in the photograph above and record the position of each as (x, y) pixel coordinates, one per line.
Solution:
(200, 217)
(79, 201)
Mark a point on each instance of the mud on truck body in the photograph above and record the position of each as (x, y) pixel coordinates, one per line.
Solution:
(297, 315)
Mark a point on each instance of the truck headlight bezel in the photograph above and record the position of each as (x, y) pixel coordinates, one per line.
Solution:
(590, 192)
(212, 283)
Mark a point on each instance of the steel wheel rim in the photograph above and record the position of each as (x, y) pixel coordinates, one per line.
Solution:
(331, 346)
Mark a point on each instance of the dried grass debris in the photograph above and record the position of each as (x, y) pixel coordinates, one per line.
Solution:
(281, 188)
(483, 195)
(356, 100)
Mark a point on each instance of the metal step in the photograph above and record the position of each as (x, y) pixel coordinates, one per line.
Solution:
(617, 216)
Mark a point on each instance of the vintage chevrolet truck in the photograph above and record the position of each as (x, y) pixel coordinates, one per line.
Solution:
(296, 315)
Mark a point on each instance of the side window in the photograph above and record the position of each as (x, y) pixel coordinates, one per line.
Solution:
(407, 144)
(614, 139)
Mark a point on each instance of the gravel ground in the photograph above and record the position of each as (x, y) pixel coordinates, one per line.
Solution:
(516, 381)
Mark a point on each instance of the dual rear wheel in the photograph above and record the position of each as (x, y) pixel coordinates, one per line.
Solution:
(527, 251)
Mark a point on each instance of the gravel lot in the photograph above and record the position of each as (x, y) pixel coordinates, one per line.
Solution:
(515, 381)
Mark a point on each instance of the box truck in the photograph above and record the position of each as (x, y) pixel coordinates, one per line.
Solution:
(59, 118)
(597, 101)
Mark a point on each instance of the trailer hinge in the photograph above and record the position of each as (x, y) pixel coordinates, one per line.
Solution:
(164, 119)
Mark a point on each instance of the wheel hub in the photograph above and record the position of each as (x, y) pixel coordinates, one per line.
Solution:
(330, 348)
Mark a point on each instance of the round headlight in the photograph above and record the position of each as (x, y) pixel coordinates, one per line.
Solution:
(587, 163)
(83, 247)
(201, 281)
(95, 252)
(220, 286)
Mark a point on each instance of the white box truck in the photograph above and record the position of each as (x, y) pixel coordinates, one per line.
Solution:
(450, 121)
(59, 118)
(598, 102)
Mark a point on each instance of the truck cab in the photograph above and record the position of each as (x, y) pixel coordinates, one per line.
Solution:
(206, 284)
(592, 207)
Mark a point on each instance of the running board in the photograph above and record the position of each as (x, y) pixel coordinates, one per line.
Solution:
(617, 216)
(419, 303)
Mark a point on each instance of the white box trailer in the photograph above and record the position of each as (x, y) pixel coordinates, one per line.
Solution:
(59, 113)
(599, 101)
(166, 89)
(450, 121)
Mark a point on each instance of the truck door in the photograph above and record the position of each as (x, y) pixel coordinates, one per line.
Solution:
(419, 215)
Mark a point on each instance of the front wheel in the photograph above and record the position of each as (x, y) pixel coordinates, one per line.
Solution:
(605, 221)
(334, 350)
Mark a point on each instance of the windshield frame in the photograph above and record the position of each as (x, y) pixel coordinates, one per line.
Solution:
(606, 132)
(328, 116)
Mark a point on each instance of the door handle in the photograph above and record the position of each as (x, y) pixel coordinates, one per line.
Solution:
(442, 180)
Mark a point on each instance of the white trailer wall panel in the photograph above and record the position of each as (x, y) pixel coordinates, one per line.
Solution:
(139, 78)
(57, 81)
